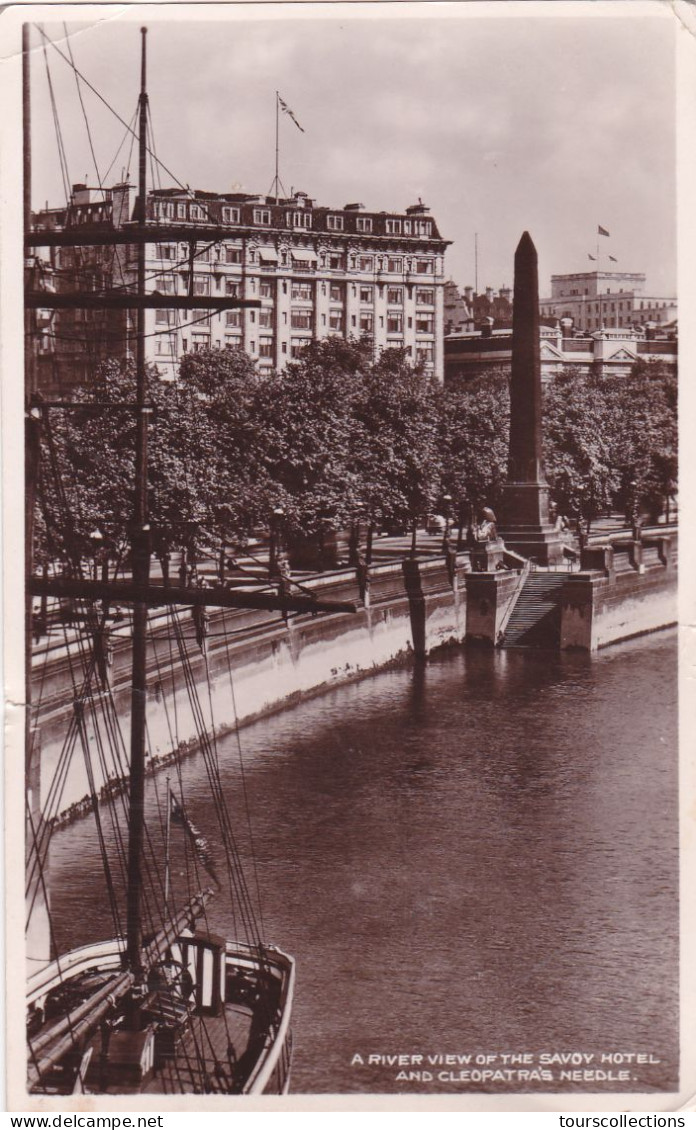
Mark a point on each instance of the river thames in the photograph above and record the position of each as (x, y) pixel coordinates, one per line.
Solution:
(477, 858)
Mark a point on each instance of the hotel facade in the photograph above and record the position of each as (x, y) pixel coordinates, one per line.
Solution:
(314, 271)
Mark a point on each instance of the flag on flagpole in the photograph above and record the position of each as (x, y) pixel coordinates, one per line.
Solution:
(613, 260)
(286, 110)
(592, 257)
(601, 230)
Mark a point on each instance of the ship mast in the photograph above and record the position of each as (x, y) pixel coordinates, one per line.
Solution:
(140, 559)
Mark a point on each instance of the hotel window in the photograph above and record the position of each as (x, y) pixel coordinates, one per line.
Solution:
(336, 319)
(366, 323)
(334, 223)
(301, 291)
(395, 265)
(337, 262)
(367, 263)
(233, 342)
(298, 344)
(424, 227)
(266, 319)
(424, 266)
(165, 284)
(181, 211)
(165, 251)
(363, 224)
(424, 354)
(366, 293)
(407, 227)
(165, 347)
(196, 212)
(266, 347)
(425, 324)
(201, 284)
(301, 319)
(164, 317)
(232, 288)
(336, 292)
(265, 289)
(199, 342)
(230, 215)
(233, 318)
(262, 215)
(203, 253)
(395, 295)
(425, 296)
(233, 254)
(395, 323)
(393, 227)
(300, 219)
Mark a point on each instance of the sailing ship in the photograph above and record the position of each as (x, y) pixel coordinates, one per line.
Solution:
(166, 1004)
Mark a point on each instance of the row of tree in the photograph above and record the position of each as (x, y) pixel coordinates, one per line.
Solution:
(337, 437)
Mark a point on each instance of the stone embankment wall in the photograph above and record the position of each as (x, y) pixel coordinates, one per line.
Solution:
(630, 589)
(254, 663)
(257, 662)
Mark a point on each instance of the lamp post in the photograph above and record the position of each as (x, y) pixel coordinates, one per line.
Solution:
(97, 539)
(277, 515)
(447, 507)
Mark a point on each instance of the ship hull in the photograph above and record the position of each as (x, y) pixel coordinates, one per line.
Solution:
(215, 1018)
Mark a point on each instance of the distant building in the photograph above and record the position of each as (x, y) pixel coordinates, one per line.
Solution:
(609, 299)
(471, 353)
(465, 310)
(317, 272)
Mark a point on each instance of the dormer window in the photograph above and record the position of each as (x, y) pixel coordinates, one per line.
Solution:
(230, 215)
(334, 223)
(363, 224)
(262, 215)
(393, 227)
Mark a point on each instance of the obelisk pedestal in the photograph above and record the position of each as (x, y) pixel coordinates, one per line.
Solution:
(524, 523)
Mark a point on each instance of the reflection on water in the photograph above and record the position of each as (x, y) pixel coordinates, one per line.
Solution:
(475, 857)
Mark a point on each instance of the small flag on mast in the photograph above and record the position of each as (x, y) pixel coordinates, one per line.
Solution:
(601, 230)
(286, 110)
(613, 260)
(592, 257)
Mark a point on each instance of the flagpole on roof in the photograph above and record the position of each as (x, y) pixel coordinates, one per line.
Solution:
(276, 151)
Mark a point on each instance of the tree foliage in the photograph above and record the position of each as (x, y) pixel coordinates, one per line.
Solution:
(336, 437)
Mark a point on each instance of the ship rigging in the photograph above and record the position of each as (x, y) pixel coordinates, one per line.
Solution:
(166, 1004)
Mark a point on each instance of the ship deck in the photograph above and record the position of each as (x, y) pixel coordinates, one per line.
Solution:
(205, 1057)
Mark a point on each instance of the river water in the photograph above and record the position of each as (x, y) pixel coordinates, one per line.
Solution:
(474, 859)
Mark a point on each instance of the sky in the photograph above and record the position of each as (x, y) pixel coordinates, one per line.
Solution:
(500, 120)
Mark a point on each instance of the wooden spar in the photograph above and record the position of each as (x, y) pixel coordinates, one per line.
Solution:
(127, 300)
(95, 235)
(125, 592)
(140, 555)
(86, 1017)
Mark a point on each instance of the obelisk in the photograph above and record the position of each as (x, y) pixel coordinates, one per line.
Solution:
(525, 525)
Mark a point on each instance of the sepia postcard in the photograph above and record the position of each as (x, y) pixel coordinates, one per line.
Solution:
(348, 719)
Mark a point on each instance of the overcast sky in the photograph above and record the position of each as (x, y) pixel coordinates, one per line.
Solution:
(554, 125)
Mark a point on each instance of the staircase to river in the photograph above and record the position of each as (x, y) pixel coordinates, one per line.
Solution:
(536, 617)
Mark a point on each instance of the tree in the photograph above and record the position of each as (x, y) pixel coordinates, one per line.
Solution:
(399, 455)
(644, 449)
(203, 478)
(307, 426)
(475, 429)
